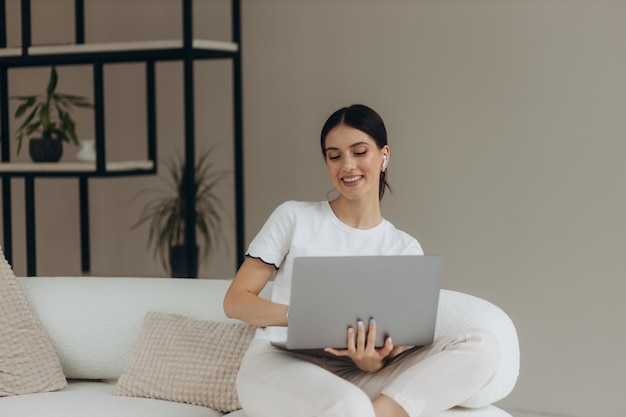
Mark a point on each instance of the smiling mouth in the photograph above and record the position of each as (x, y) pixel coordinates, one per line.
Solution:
(352, 179)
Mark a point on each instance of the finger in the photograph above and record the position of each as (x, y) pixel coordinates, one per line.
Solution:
(351, 344)
(387, 348)
(389, 343)
(360, 337)
(371, 335)
(336, 352)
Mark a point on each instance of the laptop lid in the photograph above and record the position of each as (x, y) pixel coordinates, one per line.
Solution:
(328, 294)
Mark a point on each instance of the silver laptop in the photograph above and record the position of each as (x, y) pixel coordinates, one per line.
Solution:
(328, 294)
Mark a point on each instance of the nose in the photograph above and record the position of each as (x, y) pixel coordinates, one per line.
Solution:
(349, 163)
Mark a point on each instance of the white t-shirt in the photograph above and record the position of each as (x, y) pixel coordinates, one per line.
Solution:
(312, 229)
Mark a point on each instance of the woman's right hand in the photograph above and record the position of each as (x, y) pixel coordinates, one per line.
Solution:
(242, 299)
(361, 348)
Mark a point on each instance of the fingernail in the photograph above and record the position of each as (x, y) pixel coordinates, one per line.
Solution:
(350, 329)
(359, 323)
(372, 322)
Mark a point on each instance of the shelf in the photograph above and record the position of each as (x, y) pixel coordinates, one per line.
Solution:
(202, 44)
(185, 50)
(12, 52)
(199, 44)
(134, 51)
(65, 168)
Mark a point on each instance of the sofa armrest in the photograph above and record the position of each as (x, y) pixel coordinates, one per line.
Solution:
(460, 312)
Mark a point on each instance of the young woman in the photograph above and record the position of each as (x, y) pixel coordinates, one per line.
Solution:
(360, 381)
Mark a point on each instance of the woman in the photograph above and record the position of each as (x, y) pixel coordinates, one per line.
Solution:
(361, 380)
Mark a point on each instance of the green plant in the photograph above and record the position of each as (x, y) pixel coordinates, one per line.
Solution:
(166, 212)
(49, 114)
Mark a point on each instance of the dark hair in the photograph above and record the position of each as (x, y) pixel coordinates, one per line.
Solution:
(367, 121)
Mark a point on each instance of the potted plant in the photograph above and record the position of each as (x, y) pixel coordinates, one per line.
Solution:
(50, 116)
(166, 214)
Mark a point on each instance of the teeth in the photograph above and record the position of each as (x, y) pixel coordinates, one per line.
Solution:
(353, 179)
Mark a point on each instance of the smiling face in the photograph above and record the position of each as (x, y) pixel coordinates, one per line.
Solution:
(354, 162)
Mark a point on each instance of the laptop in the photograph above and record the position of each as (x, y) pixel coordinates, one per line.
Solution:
(328, 294)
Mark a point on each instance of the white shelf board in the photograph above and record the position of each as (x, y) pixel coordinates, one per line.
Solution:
(77, 167)
(10, 52)
(129, 46)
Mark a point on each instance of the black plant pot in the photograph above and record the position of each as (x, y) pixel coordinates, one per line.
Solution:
(45, 149)
(178, 262)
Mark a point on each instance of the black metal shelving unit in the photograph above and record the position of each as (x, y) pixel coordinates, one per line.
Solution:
(186, 50)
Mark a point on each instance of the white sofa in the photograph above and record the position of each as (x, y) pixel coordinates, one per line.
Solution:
(94, 325)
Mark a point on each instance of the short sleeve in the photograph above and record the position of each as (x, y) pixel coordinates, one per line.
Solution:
(272, 242)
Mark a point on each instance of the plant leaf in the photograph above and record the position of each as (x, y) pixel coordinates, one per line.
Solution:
(32, 127)
(72, 100)
(29, 118)
(28, 102)
(44, 116)
(68, 126)
(52, 84)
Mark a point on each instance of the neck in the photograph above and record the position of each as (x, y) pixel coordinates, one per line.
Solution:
(358, 214)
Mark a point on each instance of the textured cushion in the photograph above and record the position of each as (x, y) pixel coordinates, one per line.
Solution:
(185, 360)
(28, 361)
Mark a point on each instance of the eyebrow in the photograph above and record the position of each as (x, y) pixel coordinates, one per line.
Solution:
(351, 146)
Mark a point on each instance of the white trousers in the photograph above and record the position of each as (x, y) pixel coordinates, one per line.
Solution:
(273, 382)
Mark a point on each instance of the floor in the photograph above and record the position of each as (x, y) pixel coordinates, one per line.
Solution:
(528, 414)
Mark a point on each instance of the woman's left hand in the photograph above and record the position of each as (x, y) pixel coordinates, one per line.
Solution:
(362, 350)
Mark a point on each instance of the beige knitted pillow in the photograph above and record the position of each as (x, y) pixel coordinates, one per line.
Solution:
(185, 360)
(28, 361)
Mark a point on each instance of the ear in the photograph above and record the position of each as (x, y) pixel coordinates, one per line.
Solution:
(386, 153)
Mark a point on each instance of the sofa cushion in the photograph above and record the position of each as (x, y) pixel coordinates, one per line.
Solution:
(95, 399)
(487, 411)
(28, 361)
(185, 360)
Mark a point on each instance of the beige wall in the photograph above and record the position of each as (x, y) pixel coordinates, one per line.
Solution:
(506, 122)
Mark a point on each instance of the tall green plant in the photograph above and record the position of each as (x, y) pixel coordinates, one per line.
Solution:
(166, 216)
(49, 114)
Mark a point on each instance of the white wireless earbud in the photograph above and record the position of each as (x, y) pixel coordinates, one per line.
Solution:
(384, 161)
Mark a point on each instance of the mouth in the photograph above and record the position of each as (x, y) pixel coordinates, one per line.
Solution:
(352, 180)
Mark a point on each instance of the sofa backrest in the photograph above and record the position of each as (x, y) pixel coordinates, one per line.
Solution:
(94, 323)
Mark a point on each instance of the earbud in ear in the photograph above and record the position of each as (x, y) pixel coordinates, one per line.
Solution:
(384, 161)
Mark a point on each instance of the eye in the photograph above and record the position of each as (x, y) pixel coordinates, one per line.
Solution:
(334, 157)
(360, 153)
